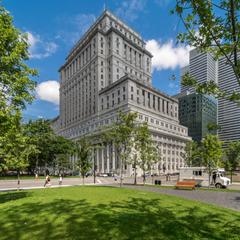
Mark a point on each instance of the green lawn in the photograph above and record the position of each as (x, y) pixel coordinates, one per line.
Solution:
(111, 213)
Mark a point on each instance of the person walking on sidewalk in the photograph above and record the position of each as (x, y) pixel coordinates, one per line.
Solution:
(47, 181)
(60, 179)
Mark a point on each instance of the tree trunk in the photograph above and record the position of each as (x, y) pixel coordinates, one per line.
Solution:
(144, 177)
(94, 167)
(231, 175)
(83, 179)
(121, 173)
(135, 175)
(18, 182)
(209, 176)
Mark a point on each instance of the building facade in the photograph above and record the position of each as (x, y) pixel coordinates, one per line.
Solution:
(204, 68)
(228, 112)
(197, 111)
(109, 70)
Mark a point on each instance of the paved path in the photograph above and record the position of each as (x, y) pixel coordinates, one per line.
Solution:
(223, 199)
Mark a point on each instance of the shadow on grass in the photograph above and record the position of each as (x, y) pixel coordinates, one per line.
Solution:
(135, 218)
(11, 196)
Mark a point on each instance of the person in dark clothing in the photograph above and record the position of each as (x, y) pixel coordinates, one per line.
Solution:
(214, 178)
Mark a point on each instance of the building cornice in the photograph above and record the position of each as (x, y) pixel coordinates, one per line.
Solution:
(127, 77)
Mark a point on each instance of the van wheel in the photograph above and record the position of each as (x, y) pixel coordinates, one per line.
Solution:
(218, 185)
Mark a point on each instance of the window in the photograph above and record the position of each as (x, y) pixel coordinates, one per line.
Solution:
(131, 88)
(131, 96)
(197, 173)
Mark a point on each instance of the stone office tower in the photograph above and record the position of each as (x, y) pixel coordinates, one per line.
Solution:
(109, 70)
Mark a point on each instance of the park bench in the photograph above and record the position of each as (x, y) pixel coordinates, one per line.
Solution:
(186, 185)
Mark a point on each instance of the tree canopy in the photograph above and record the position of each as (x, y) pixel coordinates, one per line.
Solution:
(212, 26)
(16, 90)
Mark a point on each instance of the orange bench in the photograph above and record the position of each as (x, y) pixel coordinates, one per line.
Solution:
(186, 185)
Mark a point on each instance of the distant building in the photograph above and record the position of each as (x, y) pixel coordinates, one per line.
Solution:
(228, 112)
(202, 66)
(109, 70)
(196, 112)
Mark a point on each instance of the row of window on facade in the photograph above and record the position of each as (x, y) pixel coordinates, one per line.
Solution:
(123, 30)
(87, 54)
(166, 125)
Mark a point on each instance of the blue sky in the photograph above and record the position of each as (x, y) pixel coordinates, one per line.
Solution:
(53, 26)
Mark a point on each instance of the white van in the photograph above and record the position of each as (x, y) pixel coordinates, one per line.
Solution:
(200, 175)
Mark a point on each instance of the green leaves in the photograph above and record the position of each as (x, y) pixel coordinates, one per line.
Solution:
(144, 144)
(16, 89)
(83, 152)
(121, 133)
(211, 148)
(233, 155)
(212, 26)
(192, 154)
(49, 145)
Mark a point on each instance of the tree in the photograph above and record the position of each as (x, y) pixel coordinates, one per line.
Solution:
(83, 153)
(49, 145)
(192, 154)
(121, 134)
(148, 154)
(16, 89)
(233, 156)
(15, 150)
(62, 163)
(212, 26)
(211, 152)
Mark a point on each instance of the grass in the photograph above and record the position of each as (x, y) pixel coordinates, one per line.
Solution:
(111, 213)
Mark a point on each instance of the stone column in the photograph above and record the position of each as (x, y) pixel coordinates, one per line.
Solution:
(97, 160)
(103, 160)
(107, 158)
(113, 157)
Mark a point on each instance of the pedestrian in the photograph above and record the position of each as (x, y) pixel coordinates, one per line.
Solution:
(214, 177)
(167, 177)
(47, 181)
(36, 176)
(60, 179)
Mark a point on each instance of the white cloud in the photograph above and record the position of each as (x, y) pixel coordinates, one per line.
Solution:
(129, 10)
(168, 56)
(48, 91)
(40, 48)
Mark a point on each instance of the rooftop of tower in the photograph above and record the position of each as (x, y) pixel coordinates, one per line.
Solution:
(98, 20)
